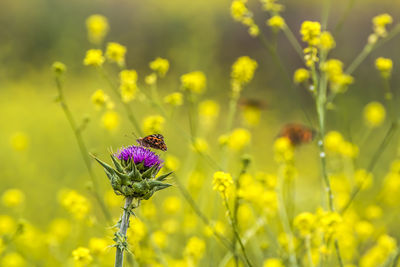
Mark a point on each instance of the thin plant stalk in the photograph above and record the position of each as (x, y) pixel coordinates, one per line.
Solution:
(308, 248)
(82, 148)
(236, 232)
(123, 227)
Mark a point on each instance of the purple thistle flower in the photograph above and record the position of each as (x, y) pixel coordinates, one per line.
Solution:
(139, 154)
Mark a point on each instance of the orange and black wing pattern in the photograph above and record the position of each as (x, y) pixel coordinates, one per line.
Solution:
(297, 133)
(155, 141)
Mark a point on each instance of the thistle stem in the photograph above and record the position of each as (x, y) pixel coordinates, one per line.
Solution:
(82, 148)
(124, 225)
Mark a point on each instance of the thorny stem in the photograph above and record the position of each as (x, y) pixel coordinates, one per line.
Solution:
(82, 148)
(128, 109)
(124, 225)
(236, 232)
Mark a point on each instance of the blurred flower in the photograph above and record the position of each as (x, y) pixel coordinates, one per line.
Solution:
(137, 230)
(59, 229)
(208, 111)
(19, 141)
(283, 149)
(222, 182)
(310, 32)
(276, 23)
(174, 99)
(194, 82)
(218, 227)
(172, 205)
(150, 79)
(59, 67)
(97, 245)
(301, 75)
(304, 223)
(374, 114)
(333, 140)
(13, 198)
(139, 155)
(251, 115)
(378, 254)
(97, 26)
(379, 24)
(170, 226)
(273, 262)
(239, 139)
(160, 65)
(75, 203)
(13, 259)
(373, 212)
(363, 179)
(116, 52)
(200, 145)
(339, 81)
(153, 124)
(240, 13)
(195, 248)
(101, 100)
(327, 42)
(111, 199)
(128, 84)
(81, 255)
(94, 57)
(364, 229)
(272, 6)
(172, 163)
(242, 72)
(384, 65)
(110, 120)
(159, 238)
(7, 225)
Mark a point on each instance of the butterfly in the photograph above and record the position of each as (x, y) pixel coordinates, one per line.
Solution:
(155, 141)
(252, 102)
(297, 133)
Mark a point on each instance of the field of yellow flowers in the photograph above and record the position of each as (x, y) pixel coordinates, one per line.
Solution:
(272, 142)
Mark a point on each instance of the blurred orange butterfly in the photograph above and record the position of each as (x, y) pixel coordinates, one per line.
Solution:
(297, 133)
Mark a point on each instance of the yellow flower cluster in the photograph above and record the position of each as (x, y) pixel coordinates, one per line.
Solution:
(13, 198)
(128, 85)
(251, 115)
(160, 66)
(172, 205)
(13, 259)
(242, 72)
(384, 66)
(94, 57)
(283, 150)
(276, 22)
(241, 13)
(153, 124)
(172, 163)
(195, 248)
(272, 6)
(222, 182)
(273, 262)
(326, 41)
(174, 99)
(59, 67)
(379, 24)
(239, 139)
(98, 245)
(82, 256)
(379, 254)
(305, 223)
(339, 81)
(110, 120)
(97, 26)
(310, 32)
(115, 52)
(200, 145)
(301, 75)
(391, 185)
(374, 114)
(19, 141)
(75, 203)
(194, 82)
(335, 143)
(101, 100)
(208, 112)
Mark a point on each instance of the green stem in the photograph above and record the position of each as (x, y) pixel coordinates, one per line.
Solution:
(124, 225)
(308, 247)
(82, 148)
(325, 14)
(344, 17)
(293, 41)
(236, 232)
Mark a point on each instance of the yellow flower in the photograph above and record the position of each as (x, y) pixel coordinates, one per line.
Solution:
(384, 65)
(208, 111)
(273, 262)
(348, 149)
(304, 223)
(333, 141)
(159, 238)
(243, 70)
(200, 145)
(364, 229)
(75, 203)
(326, 41)
(374, 114)
(160, 65)
(276, 23)
(238, 9)
(101, 99)
(128, 86)
(137, 230)
(194, 82)
(251, 115)
(239, 139)
(339, 81)
(82, 255)
(373, 212)
(110, 120)
(222, 182)
(128, 76)
(59, 67)
(172, 163)
(7, 225)
(301, 75)
(19, 141)
(284, 151)
(153, 124)
(59, 229)
(172, 204)
(310, 31)
(97, 26)
(195, 248)
(98, 245)
(272, 6)
(116, 52)
(94, 57)
(363, 179)
(379, 24)
(13, 198)
(174, 99)
(13, 259)
(151, 79)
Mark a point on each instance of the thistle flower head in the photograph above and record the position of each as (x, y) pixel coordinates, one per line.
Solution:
(139, 155)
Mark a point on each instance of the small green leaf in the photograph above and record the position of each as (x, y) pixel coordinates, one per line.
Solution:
(163, 177)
